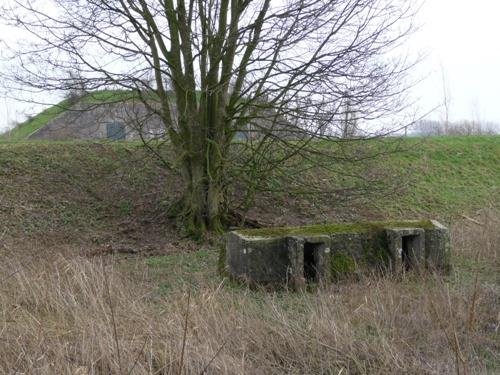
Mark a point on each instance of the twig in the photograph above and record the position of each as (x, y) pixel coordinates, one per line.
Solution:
(472, 220)
(138, 355)
(452, 338)
(472, 311)
(10, 275)
(184, 337)
(15, 272)
(113, 321)
(217, 353)
(3, 234)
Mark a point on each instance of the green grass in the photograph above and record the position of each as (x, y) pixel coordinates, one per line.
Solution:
(28, 127)
(83, 184)
(70, 187)
(61, 187)
(447, 176)
(171, 272)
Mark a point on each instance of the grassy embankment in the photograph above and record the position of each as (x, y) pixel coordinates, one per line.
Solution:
(449, 176)
(23, 130)
(77, 298)
(85, 185)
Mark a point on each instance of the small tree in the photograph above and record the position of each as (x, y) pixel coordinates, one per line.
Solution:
(274, 68)
(349, 124)
(75, 86)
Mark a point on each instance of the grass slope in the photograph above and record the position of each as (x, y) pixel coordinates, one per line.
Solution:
(31, 125)
(447, 176)
(84, 184)
(94, 301)
(65, 189)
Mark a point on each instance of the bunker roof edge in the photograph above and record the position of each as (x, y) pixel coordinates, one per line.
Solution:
(341, 228)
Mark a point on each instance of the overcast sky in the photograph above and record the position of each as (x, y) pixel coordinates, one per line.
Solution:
(460, 39)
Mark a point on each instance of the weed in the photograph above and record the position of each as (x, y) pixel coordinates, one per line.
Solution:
(372, 326)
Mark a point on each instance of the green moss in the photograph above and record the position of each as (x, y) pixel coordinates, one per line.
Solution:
(312, 230)
(375, 257)
(109, 96)
(342, 265)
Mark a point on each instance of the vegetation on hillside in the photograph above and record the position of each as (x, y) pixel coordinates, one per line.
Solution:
(85, 184)
(446, 176)
(224, 64)
(95, 279)
(23, 130)
(33, 123)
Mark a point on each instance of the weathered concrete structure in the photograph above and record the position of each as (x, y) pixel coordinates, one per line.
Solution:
(125, 120)
(296, 256)
(132, 120)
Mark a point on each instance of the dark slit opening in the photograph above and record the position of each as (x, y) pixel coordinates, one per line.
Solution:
(409, 248)
(310, 266)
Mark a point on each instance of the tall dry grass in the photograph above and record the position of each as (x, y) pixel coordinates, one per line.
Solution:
(68, 314)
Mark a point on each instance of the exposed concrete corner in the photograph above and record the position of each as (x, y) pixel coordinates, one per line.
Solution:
(437, 248)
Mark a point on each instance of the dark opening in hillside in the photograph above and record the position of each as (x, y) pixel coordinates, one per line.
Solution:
(310, 257)
(409, 249)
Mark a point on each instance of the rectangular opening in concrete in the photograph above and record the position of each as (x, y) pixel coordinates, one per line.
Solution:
(409, 250)
(310, 261)
(115, 131)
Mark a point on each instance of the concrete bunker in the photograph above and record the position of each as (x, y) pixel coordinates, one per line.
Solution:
(298, 256)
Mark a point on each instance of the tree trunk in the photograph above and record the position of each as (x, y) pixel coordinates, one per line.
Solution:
(214, 205)
(203, 194)
(193, 201)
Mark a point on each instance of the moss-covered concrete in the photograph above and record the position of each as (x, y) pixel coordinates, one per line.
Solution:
(299, 256)
(365, 227)
(342, 265)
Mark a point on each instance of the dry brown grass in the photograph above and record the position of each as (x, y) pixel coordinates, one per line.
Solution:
(69, 314)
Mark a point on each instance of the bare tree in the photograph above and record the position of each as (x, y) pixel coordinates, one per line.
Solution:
(275, 70)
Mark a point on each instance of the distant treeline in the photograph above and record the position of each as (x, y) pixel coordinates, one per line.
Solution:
(462, 127)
